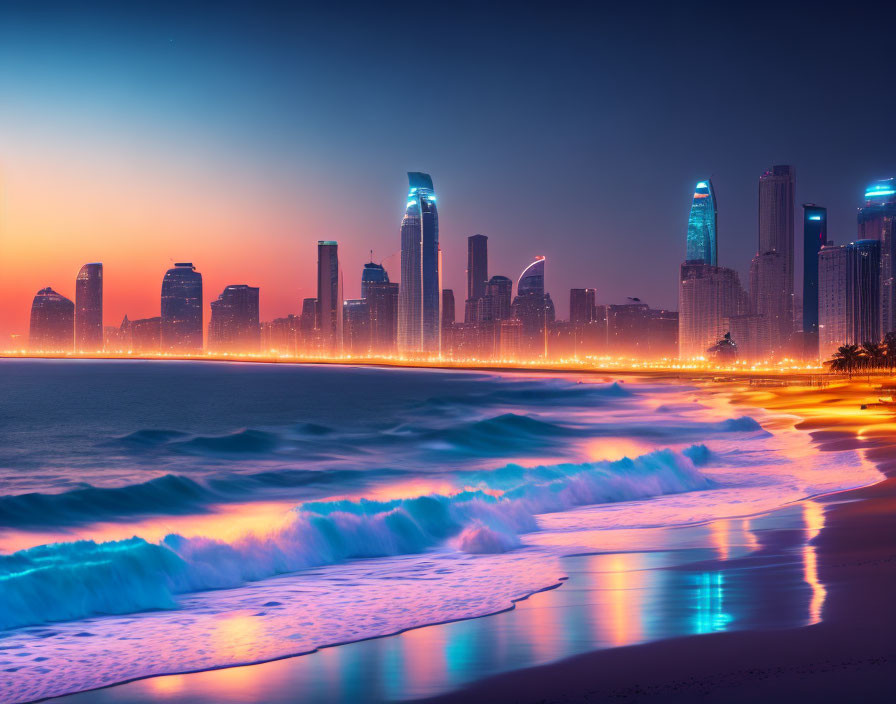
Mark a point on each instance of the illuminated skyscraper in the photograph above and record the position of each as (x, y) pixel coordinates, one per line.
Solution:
(707, 297)
(419, 301)
(876, 222)
(382, 301)
(52, 322)
(373, 274)
(234, 326)
(776, 211)
(329, 297)
(815, 235)
(702, 242)
(89, 308)
(477, 276)
(181, 326)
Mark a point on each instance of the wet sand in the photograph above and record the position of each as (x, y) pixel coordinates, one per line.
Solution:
(849, 656)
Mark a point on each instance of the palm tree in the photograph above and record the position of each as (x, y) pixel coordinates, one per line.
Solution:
(846, 359)
(873, 355)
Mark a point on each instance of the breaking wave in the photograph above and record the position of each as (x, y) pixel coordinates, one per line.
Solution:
(74, 580)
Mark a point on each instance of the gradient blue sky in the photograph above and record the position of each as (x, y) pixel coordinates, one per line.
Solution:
(237, 135)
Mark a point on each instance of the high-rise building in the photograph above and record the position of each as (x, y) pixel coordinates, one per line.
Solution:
(419, 301)
(181, 326)
(702, 241)
(234, 327)
(382, 301)
(356, 313)
(707, 297)
(329, 297)
(373, 274)
(477, 275)
(815, 235)
(848, 295)
(144, 335)
(89, 308)
(876, 222)
(768, 281)
(776, 213)
(534, 308)
(582, 305)
(281, 335)
(309, 337)
(498, 298)
(52, 322)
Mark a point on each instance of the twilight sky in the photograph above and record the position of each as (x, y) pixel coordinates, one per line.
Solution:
(235, 136)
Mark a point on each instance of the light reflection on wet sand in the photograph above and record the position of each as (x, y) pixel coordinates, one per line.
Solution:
(708, 579)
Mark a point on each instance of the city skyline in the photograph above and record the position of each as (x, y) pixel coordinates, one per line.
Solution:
(135, 160)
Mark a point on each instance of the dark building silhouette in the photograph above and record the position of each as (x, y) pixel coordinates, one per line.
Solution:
(815, 235)
(233, 327)
(52, 322)
(419, 302)
(448, 320)
(373, 273)
(477, 276)
(498, 299)
(89, 308)
(181, 327)
(329, 297)
(309, 338)
(356, 314)
(382, 302)
(144, 335)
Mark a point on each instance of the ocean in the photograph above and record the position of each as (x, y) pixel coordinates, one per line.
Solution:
(160, 517)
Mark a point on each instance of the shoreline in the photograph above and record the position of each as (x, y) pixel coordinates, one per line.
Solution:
(849, 655)
(510, 686)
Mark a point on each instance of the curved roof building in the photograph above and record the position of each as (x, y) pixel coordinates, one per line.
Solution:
(532, 279)
(703, 226)
(52, 322)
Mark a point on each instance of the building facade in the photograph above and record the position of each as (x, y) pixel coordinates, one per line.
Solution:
(708, 297)
(234, 327)
(52, 327)
(876, 222)
(89, 308)
(329, 298)
(702, 238)
(419, 302)
(373, 273)
(776, 212)
(815, 236)
(181, 324)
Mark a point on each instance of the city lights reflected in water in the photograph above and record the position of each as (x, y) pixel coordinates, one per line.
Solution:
(813, 514)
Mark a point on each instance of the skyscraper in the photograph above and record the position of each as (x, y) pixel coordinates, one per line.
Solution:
(815, 235)
(702, 240)
(329, 297)
(768, 285)
(419, 301)
(52, 322)
(373, 274)
(876, 222)
(776, 211)
(448, 319)
(498, 298)
(356, 313)
(234, 326)
(477, 274)
(89, 308)
(181, 326)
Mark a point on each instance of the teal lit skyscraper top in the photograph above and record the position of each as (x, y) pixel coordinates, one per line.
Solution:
(703, 226)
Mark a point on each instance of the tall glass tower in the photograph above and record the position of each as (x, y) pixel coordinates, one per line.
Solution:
(329, 297)
(703, 226)
(876, 222)
(89, 308)
(419, 299)
(181, 327)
